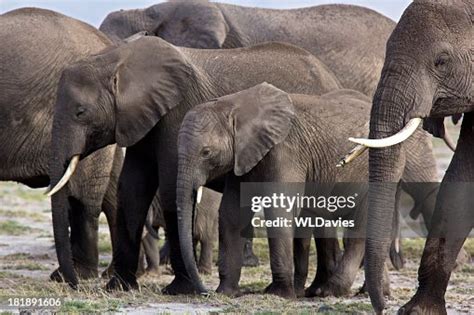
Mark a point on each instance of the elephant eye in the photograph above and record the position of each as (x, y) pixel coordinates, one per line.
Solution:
(80, 111)
(442, 61)
(206, 152)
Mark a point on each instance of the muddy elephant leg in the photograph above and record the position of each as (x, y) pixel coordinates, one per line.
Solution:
(231, 244)
(301, 248)
(165, 253)
(451, 224)
(138, 184)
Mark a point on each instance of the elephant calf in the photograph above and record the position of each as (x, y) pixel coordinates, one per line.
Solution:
(263, 134)
(205, 231)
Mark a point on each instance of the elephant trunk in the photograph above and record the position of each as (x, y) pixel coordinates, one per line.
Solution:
(64, 161)
(186, 196)
(389, 116)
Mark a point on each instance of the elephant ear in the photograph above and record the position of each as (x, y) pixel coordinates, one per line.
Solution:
(148, 83)
(195, 24)
(261, 118)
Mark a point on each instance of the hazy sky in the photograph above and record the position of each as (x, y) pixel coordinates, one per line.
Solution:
(94, 11)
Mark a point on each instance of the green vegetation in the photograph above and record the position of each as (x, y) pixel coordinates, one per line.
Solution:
(11, 227)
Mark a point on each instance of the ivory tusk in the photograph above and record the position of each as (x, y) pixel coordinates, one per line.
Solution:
(199, 195)
(352, 155)
(397, 138)
(66, 177)
(448, 140)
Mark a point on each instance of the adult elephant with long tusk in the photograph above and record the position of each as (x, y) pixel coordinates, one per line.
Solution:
(428, 74)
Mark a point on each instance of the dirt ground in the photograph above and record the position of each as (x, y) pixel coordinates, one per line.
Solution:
(27, 257)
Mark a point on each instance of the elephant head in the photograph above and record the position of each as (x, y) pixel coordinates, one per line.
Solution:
(231, 134)
(196, 24)
(428, 74)
(117, 96)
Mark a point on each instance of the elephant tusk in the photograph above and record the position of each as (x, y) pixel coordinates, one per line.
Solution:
(397, 138)
(352, 155)
(66, 177)
(199, 195)
(448, 140)
(397, 245)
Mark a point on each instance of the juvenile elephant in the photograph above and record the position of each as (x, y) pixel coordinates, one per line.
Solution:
(205, 231)
(350, 40)
(428, 74)
(263, 134)
(36, 46)
(136, 95)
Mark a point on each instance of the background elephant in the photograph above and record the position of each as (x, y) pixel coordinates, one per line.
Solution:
(350, 40)
(263, 134)
(135, 86)
(36, 46)
(428, 74)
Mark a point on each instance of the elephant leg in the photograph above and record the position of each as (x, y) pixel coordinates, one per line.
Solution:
(301, 248)
(451, 224)
(205, 258)
(109, 206)
(137, 187)
(165, 253)
(250, 259)
(231, 244)
(281, 263)
(340, 283)
(152, 253)
(328, 254)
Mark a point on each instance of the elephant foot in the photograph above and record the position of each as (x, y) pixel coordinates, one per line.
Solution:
(228, 290)
(56, 276)
(116, 283)
(108, 272)
(421, 306)
(179, 285)
(205, 269)
(386, 289)
(330, 288)
(82, 273)
(281, 289)
(299, 291)
(251, 261)
(152, 270)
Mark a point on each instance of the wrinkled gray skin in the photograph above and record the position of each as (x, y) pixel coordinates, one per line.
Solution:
(205, 230)
(428, 73)
(350, 40)
(36, 46)
(266, 135)
(136, 95)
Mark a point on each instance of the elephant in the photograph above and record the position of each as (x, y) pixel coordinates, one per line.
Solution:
(263, 134)
(428, 75)
(204, 232)
(136, 95)
(37, 45)
(349, 39)
(34, 40)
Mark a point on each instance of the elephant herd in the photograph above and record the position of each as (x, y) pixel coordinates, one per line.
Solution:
(216, 95)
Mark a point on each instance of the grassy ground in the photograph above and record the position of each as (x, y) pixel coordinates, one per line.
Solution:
(27, 258)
